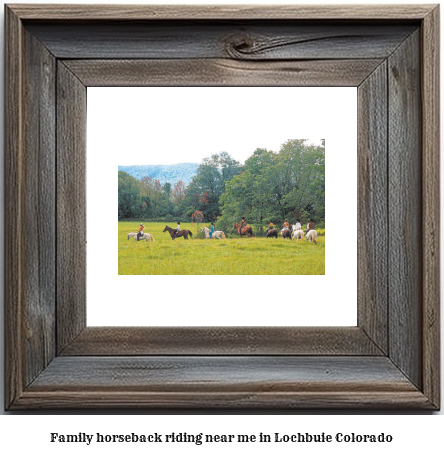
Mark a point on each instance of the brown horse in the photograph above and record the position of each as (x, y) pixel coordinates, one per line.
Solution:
(286, 234)
(272, 233)
(174, 234)
(245, 231)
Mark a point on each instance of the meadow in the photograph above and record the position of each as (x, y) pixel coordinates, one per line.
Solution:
(231, 256)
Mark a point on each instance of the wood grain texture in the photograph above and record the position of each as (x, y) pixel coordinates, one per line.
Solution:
(431, 207)
(258, 40)
(13, 207)
(246, 401)
(71, 206)
(30, 205)
(220, 12)
(405, 209)
(372, 207)
(234, 382)
(39, 191)
(221, 72)
(127, 341)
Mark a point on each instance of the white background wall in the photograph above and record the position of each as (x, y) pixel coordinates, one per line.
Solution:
(412, 433)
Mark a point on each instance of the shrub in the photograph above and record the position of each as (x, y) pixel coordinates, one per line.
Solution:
(170, 218)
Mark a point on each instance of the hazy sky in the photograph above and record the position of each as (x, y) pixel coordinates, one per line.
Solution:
(168, 125)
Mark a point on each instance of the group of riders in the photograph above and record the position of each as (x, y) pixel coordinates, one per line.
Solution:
(285, 226)
(141, 228)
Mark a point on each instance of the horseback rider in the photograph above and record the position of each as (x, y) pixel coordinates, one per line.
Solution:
(270, 227)
(243, 222)
(140, 232)
(298, 226)
(311, 226)
(211, 229)
(177, 228)
(286, 225)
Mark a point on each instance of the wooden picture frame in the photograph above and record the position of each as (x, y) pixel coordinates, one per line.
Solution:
(389, 360)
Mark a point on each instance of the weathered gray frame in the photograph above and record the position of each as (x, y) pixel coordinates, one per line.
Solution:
(390, 360)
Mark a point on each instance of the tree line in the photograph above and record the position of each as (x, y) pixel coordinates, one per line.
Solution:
(269, 186)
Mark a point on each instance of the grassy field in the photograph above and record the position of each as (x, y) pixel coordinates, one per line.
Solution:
(216, 256)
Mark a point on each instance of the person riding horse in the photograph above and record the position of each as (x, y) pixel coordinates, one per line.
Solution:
(140, 232)
(286, 225)
(270, 227)
(211, 230)
(310, 226)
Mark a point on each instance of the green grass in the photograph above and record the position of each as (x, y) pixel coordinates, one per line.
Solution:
(216, 256)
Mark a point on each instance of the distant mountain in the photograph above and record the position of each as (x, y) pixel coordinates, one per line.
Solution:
(163, 173)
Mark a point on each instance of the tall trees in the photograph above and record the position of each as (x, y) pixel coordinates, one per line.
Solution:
(156, 198)
(178, 192)
(247, 195)
(275, 186)
(167, 190)
(209, 183)
(307, 176)
(270, 186)
(128, 196)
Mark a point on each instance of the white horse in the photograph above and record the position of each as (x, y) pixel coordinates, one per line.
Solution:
(311, 236)
(146, 236)
(297, 233)
(216, 234)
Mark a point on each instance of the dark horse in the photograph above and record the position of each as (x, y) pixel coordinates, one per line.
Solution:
(272, 233)
(174, 234)
(286, 234)
(245, 231)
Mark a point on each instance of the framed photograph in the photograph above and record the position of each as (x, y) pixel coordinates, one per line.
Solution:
(56, 359)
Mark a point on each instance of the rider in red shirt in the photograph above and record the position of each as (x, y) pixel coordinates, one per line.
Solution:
(140, 232)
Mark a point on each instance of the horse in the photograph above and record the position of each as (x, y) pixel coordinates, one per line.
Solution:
(216, 234)
(286, 233)
(246, 230)
(174, 234)
(146, 236)
(272, 233)
(297, 233)
(311, 236)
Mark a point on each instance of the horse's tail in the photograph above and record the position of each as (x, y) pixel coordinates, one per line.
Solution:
(190, 233)
(223, 235)
(152, 238)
